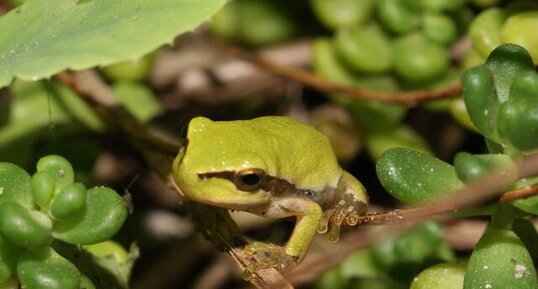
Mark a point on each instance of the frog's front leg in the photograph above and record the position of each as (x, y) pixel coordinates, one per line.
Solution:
(308, 215)
(349, 203)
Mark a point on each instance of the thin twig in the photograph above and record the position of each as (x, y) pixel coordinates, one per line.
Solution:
(520, 193)
(410, 98)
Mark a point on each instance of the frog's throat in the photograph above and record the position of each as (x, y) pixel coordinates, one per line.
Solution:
(271, 184)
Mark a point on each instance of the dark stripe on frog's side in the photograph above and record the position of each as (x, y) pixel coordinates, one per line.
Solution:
(275, 186)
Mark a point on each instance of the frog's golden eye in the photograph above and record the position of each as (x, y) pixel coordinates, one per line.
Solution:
(249, 179)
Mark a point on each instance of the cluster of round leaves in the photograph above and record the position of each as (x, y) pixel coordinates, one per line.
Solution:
(514, 23)
(501, 99)
(37, 211)
(409, 38)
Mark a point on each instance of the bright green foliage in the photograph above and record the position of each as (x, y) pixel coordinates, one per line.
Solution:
(500, 260)
(43, 37)
(67, 211)
(415, 178)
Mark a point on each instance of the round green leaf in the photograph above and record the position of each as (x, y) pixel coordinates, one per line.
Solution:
(518, 116)
(397, 16)
(481, 100)
(415, 178)
(500, 260)
(69, 201)
(43, 184)
(365, 48)
(41, 38)
(439, 28)
(440, 276)
(15, 185)
(381, 140)
(342, 13)
(485, 30)
(24, 227)
(103, 214)
(9, 254)
(470, 167)
(45, 269)
(506, 62)
(60, 167)
(416, 59)
(521, 29)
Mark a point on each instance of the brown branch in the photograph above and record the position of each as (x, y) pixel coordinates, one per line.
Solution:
(410, 98)
(520, 193)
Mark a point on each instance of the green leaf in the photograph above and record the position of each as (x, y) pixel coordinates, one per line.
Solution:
(441, 276)
(137, 99)
(500, 260)
(526, 231)
(360, 264)
(60, 167)
(9, 254)
(505, 62)
(103, 215)
(379, 141)
(336, 14)
(24, 227)
(415, 178)
(481, 100)
(69, 201)
(528, 205)
(518, 116)
(43, 37)
(470, 167)
(45, 269)
(485, 30)
(15, 185)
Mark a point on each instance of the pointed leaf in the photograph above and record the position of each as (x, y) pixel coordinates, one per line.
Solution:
(43, 37)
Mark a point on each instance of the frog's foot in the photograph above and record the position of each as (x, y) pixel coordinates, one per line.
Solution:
(264, 255)
(346, 210)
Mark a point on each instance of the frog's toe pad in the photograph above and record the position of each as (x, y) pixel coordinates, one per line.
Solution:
(264, 255)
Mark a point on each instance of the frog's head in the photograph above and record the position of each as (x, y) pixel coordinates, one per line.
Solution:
(217, 166)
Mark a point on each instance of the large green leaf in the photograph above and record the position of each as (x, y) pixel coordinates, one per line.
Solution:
(43, 37)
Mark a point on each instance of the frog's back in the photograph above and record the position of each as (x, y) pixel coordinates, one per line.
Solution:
(281, 146)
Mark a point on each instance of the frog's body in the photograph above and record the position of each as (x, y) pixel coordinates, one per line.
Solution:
(270, 166)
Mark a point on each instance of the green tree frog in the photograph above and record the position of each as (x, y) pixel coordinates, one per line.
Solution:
(274, 167)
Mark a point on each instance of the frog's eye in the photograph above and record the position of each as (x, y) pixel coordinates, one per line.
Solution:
(249, 179)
